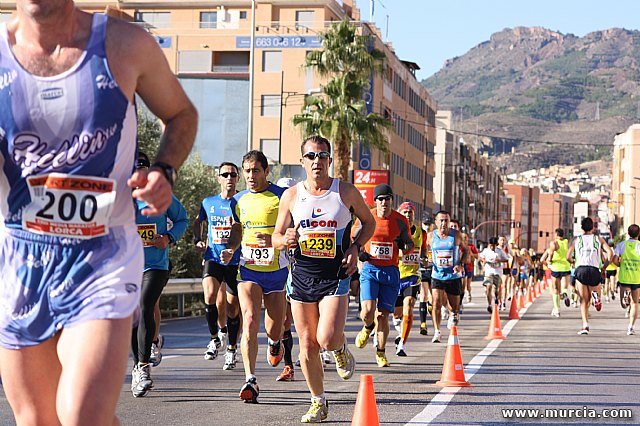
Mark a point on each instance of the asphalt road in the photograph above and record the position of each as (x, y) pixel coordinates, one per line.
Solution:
(542, 365)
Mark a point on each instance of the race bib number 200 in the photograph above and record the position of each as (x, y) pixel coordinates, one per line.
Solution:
(69, 205)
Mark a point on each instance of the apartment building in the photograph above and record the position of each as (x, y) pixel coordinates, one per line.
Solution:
(555, 211)
(525, 213)
(626, 177)
(207, 44)
(466, 184)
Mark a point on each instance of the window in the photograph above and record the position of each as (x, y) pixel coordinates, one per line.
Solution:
(154, 19)
(305, 18)
(272, 61)
(209, 20)
(271, 149)
(194, 61)
(270, 106)
(243, 14)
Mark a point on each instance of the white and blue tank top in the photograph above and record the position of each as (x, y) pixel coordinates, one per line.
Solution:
(325, 228)
(67, 145)
(446, 255)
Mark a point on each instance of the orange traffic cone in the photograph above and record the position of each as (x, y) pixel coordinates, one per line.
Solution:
(529, 299)
(513, 312)
(453, 368)
(520, 300)
(366, 411)
(534, 293)
(495, 330)
(538, 288)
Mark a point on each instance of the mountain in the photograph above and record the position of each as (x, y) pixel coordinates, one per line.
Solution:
(525, 86)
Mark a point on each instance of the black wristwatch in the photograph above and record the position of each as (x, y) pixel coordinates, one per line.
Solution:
(169, 172)
(171, 240)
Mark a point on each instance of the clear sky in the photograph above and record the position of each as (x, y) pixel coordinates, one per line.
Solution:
(429, 32)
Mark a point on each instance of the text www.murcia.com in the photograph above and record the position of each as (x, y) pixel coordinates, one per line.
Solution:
(567, 413)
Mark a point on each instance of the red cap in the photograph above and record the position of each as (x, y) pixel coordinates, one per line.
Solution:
(407, 205)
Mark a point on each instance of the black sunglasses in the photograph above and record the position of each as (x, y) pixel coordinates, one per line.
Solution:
(229, 174)
(384, 198)
(312, 155)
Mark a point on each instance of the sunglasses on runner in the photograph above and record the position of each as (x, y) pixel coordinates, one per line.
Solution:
(312, 155)
(227, 175)
(384, 198)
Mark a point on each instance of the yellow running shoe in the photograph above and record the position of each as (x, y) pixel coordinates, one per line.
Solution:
(362, 338)
(345, 362)
(317, 412)
(381, 359)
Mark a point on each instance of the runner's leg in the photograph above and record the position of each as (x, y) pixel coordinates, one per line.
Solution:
(250, 297)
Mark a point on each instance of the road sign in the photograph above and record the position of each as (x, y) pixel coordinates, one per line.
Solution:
(366, 180)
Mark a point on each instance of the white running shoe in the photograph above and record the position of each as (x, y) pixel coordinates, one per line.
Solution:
(555, 313)
(436, 337)
(401, 349)
(630, 331)
(229, 360)
(156, 354)
(326, 357)
(397, 324)
(141, 382)
(212, 349)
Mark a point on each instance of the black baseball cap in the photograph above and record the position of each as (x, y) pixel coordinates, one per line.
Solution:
(382, 189)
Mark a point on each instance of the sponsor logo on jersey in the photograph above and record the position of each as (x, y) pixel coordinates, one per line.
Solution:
(32, 153)
(105, 82)
(7, 78)
(319, 211)
(52, 93)
(307, 223)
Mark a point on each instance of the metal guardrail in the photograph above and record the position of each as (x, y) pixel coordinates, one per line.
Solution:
(181, 286)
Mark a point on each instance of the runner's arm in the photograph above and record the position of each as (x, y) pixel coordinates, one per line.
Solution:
(284, 221)
(572, 246)
(404, 240)
(178, 216)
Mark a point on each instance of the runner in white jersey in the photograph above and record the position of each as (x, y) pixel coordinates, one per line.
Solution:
(320, 211)
(592, 254)
(70, 256)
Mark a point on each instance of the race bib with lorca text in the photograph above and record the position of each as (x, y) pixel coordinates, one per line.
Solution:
(69, 205)
(318, 244)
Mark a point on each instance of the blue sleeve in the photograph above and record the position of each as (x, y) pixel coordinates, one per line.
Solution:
(178, 216)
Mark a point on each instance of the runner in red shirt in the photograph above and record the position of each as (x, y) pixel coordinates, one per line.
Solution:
(468, 268)
(380, 277)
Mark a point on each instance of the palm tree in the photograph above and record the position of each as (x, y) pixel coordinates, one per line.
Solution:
(339, 113)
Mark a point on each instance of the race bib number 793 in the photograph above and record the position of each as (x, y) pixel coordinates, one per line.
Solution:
(69, 205)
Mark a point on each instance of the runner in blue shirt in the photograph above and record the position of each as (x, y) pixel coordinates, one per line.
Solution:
(156, 238)
(222, 314)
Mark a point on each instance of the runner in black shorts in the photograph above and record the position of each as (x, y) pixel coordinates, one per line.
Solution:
(222, 311)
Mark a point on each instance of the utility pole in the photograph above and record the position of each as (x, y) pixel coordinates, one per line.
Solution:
(251, 76)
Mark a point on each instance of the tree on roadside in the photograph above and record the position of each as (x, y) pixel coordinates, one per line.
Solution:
(195, 181)
(339, 113)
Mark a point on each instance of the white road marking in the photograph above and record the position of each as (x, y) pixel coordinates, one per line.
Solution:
(439, 403)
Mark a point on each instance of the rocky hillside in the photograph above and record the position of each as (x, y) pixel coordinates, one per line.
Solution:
(527, 85)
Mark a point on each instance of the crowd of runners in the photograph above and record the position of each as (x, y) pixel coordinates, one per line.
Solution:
(77, 274)
(302, 249)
